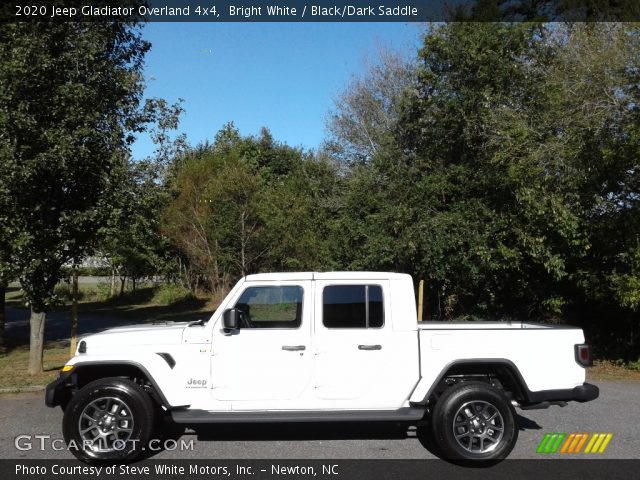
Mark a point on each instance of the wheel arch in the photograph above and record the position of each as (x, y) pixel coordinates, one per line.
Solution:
(61, 391)
(505, 371)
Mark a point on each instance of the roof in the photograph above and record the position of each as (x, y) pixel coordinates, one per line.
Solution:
(326, 276)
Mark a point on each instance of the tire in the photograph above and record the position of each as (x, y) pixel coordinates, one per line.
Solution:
(474, 423)
(110, 419)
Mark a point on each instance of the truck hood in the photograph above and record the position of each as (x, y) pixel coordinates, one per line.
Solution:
(135, 335)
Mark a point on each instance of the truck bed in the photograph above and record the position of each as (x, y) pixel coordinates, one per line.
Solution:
(544, 355)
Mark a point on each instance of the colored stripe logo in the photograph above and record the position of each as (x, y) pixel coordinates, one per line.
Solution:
(574, 443)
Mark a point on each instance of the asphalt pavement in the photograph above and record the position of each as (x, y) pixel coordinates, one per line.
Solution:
(616, 411)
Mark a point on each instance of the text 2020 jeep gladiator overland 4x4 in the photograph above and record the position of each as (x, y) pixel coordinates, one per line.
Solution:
(306, 347)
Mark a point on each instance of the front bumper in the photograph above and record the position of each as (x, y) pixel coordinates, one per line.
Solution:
(58, 392)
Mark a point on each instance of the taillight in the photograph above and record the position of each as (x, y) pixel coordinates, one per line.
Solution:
(583, 356)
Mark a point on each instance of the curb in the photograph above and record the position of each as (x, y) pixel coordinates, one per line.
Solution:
(26, 388)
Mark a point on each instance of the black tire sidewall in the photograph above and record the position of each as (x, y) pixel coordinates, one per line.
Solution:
(137, 400)
(446, 409)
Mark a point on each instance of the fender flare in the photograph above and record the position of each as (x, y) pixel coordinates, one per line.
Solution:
(519, 382)
(58, 391)
(580, 393)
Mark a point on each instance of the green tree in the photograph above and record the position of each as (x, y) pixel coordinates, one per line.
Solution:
(247, 204)
(366, 112)
(510, 184)
(213, 219)
(70, 94)
(300, 216)
(130, 239)
(580, 146)
(435, 190)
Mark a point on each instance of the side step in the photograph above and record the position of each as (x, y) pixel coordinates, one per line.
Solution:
(274, 416)
(542, 405)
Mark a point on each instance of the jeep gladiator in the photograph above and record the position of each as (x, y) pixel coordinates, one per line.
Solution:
(307, 347)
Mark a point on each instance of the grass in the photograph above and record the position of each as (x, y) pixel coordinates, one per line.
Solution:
(143, 305)
(169, 294)
(149, 302)
(13, 367)
(285, 312)
(613, 370)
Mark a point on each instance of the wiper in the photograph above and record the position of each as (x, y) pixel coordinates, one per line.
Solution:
(197, 322)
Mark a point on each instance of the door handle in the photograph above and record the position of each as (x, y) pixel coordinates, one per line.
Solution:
(293, 348)
(369, 347)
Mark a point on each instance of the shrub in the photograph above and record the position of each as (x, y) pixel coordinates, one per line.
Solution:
(103, 290)
(169, 293)
(62, 293)
(96, 293)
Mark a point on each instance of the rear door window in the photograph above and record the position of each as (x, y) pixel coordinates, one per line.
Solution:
(352, 306)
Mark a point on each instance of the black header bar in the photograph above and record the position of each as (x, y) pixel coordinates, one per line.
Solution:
(321, 10)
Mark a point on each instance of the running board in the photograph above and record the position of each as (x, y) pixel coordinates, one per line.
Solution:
(272, 416)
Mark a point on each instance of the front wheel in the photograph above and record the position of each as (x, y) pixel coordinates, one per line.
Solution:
(108, 419)
(474, 422)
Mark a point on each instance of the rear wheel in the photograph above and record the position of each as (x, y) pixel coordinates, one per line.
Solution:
(108, 419)
(474, 422)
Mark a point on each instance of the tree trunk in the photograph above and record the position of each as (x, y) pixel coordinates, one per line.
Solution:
(180, 277)
(74, 312)
(242, 244)
(112, 287)
(3, 291)
(123, 281)
(36, 342)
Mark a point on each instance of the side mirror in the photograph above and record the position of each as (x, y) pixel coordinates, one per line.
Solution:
(231, 319)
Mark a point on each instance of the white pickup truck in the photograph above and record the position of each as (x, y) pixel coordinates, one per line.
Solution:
(307, 347)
